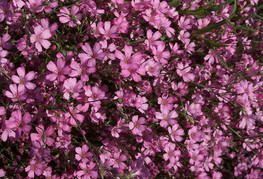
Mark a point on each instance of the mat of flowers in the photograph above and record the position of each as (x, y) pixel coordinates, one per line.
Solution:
(131, 89)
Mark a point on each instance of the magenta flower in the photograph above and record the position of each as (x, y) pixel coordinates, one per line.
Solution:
(19, 123)
(166, 117)
(87, 170)
(171, 152)
(58, 71)
(176, 133)
(160, 55)
(82, 153)
(117, 160)
(108, 31)
(184, 71)
(151, 40)
(24, 79)
(3, 54)
(137, 126)
(42, 135)
(71, 86)
(17, 93)
(34, 168)
(73, 17)
(40, 38)
(91, 54)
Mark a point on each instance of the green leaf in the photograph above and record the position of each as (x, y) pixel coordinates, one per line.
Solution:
(195, 12)
(222, 61)
(213, 43)
(175, 3)
(211, 27)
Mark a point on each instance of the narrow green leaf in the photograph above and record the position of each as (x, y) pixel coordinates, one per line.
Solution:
(222, 61)
(210, 27)
(213, 43)
(195, 12)
(175, 3)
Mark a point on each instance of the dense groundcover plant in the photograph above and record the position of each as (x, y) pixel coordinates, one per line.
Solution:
(131, 89)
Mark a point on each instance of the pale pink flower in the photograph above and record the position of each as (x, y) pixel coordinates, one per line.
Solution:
(160, 55)
(108, 31)
(3, 54)
(42, 135)
(171, 151)
(58, 71)
(152, 39)
(137, 126)
(184, 71)
(17, 93)
(34, 168)
(87, 171)
(40, 38)
(167, 117)
(19, 123)
(72, 88)
(176, 133)
(82, 153)
(91, 54)
(72, 16)
(24, 79)
(117, 160)
(184, 23)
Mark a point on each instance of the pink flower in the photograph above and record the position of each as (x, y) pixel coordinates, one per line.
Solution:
(152, 68)
(248, 121)
(166, 117)
(91, 54)
(152, 39)
(184, 23)
(34, 6)
(184, 71)
(160, 55)
(42, 135)
(34, 168)
(82, 153)
(137, 126)
(17, 93)
(108, 31)
(3, 54)
(40, 38)
(73, 17)
(87, 170)
(19, 124)
(117, 160)
(58, 71)
(2, 172)
(71, 86)
(171, 152)
(176, 133)
(24, 79)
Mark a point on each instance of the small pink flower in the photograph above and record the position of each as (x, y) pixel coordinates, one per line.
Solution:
(152, 39)
(137, 126)
(160, 55)
(108, 31)
(73, 17)
(34, 168)
(87, 171)
(19, 124)
(40, 38)
(71, 86)
(42, 135)
(17, 93)
(176, 133)
(58, 71)
(82, 153)
(166, 117)
(24, 79)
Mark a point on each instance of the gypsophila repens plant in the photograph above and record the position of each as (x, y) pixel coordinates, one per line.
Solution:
(131, 89)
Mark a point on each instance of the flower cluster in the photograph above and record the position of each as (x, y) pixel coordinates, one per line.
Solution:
(131, 89)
